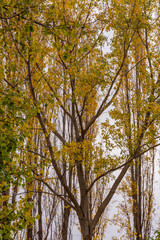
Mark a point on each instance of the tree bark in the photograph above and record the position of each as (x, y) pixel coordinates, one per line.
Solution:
(40, 232)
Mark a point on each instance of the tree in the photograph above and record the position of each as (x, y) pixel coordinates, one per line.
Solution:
(69, 83)
(134, 100)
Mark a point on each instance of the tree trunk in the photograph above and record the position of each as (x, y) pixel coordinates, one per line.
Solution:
(29, 226)
(40, 232)
(86, 230)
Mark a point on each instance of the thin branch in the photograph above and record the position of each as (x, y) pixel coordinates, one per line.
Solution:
(57, 194)
(57, 134)
(10, 84)
(14, 14)
(14, 41)
(135, 65)
(51, 88)
(117, 168)
(27, 150)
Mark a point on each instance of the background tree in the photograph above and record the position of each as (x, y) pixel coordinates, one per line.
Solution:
(137, 92)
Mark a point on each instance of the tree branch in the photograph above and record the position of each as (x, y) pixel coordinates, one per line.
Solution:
(124, 164)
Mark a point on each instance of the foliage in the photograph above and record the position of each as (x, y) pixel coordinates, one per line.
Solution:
(57, 82)
(155, 237)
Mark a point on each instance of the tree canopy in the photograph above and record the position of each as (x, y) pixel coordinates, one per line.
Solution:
(73, 72)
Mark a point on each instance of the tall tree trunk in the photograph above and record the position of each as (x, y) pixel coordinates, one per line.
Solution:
(86, 229)
(66, 209)
(40, 232)
(29, 225)
(29, 187)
